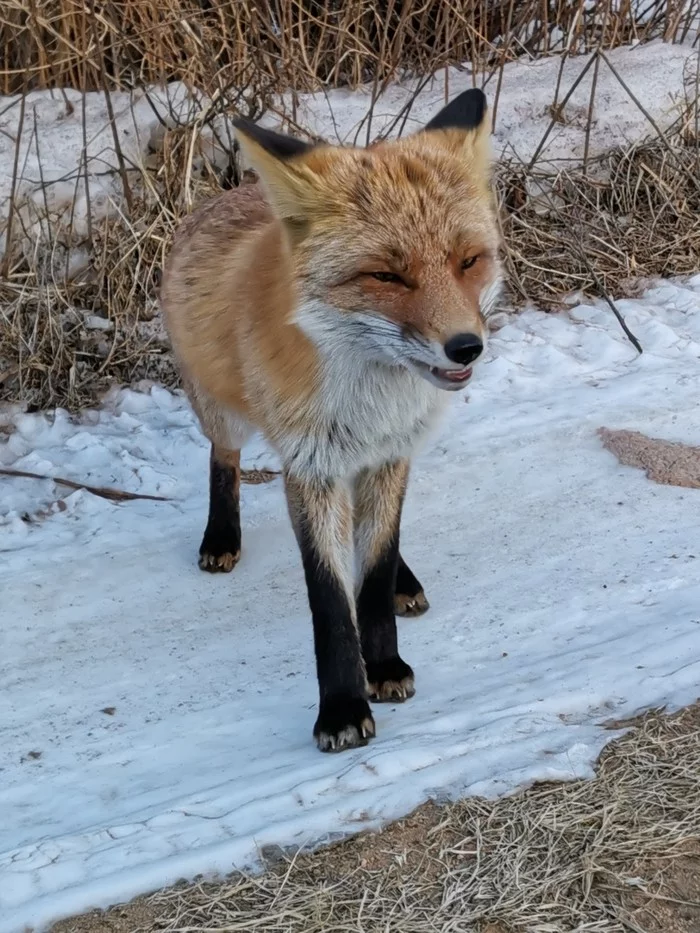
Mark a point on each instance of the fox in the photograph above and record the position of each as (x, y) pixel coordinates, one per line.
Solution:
(333, 304)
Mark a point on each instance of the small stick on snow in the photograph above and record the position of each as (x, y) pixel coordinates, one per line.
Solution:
(545, 137)
(105, 492)
(611, 304)
(253, 477)
(504, 56)
(121, 164)
(589, 122)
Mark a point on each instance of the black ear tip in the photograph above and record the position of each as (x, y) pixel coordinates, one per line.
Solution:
(465, 112)
(240, 123)
(475, 96)
(474, 104)
(277, 144)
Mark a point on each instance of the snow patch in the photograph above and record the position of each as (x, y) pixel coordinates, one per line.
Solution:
(564, 591)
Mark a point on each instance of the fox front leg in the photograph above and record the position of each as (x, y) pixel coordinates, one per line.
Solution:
(321, 513)
(379, 498)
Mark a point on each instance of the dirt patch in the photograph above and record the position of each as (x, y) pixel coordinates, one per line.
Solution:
(665, 462)
(139, 915)
(668, 899)
(615, 854)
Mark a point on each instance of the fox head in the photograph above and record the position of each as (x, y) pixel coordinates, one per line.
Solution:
(394, 249)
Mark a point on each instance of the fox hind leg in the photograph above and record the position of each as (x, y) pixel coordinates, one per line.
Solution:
(378, 501)
(220, 550)
(409, 599)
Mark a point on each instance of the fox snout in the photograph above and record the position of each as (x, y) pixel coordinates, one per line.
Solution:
(446, 363)
(464, 349)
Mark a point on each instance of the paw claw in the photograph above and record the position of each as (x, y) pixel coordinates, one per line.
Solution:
(392, 691)
(218, 563)
(368, 728)
(390, 681)
(410, 606)
(343, 722)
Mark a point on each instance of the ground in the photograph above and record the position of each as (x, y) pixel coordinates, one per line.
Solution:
(618, 853)
(157, 720)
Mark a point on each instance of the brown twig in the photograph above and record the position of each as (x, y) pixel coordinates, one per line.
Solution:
(252, 477)
(105, 492)
(591, 103)
(560, 109)
(610, 303)
(110, 113)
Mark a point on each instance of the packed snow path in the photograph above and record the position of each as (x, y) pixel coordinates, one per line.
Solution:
(155, 722)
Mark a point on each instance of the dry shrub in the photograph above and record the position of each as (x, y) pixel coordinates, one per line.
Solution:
(65, 338)
(632, 216)
(63, 341)
(300, 44)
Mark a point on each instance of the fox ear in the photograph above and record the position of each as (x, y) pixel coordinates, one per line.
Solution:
(466, 112)
(463, 125)
(292, 186)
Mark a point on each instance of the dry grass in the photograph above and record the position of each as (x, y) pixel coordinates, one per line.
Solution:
(631, 216)
(65, 337)
(617, 854)
(302, 44)
(64, 340)
(67, 333)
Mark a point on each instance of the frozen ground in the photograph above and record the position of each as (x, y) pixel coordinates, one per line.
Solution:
(155, 722)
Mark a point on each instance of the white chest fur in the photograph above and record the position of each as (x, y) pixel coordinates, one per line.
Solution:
(364, 417)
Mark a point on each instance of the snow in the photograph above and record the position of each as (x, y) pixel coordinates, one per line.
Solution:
(656, 73)
(155, 722)
(51, 181)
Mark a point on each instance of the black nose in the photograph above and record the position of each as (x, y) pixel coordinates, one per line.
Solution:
(464, 348)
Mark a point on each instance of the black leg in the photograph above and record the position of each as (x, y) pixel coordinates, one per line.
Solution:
(221, 546)
(410, 599)
(378, 500)
(322, 517)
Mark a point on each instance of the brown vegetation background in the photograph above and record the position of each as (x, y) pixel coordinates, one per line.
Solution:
(606, 226)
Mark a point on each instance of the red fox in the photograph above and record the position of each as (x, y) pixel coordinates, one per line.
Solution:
(333, 305)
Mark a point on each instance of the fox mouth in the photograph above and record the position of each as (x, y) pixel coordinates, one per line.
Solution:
(449, 379)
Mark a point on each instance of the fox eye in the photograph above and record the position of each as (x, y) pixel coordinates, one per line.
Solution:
(387, 277)
(468, 263)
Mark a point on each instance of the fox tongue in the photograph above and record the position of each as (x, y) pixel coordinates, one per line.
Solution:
(454, 375)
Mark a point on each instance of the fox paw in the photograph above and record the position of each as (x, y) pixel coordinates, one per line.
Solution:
(344, 721)
(220, 550)
(390, 681)
(409, 599)
(410, 606)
